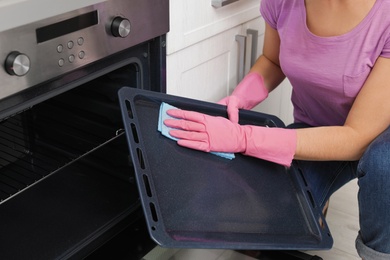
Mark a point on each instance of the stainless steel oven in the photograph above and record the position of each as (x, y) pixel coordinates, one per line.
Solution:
(67, 186)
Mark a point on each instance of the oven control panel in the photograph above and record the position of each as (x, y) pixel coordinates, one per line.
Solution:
(37, 52)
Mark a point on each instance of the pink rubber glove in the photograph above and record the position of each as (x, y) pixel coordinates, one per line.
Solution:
(218, 134)
(248, 93)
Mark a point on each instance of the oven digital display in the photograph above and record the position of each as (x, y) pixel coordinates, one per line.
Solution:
(67, 26)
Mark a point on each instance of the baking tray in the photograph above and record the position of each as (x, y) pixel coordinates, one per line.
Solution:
(193, 199)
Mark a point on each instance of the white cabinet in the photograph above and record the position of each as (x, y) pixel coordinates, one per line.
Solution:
(192, 21)
(204, 52)
(206, 70)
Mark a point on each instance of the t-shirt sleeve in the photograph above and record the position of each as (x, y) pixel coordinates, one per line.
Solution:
(270, 10)
(386, 49)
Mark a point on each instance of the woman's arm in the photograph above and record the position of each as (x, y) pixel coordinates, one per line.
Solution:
(264, 76)
(369, 116)
(267, 64)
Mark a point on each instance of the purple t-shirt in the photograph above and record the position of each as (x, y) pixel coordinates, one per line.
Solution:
(326, 73)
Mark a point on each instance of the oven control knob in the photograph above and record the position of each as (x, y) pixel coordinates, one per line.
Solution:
(17, 63)
(120, 27)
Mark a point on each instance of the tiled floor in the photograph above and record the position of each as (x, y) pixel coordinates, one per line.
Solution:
(342, 219)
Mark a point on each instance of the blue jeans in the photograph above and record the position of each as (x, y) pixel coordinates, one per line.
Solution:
(373, 173)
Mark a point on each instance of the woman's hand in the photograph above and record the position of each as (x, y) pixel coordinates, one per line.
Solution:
(218, 134)
(249, 93)
(206, 133)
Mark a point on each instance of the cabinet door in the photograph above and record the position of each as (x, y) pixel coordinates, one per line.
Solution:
(192, 21)
(207, 70)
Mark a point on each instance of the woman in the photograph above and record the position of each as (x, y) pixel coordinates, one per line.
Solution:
(336, 54)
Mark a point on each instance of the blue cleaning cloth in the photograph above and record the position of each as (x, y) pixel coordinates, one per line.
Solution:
(165, 129)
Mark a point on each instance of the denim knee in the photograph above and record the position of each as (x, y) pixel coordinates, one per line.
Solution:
(374, 199)
(376, 157)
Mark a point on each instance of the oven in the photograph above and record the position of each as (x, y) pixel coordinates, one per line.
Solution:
(67, 187)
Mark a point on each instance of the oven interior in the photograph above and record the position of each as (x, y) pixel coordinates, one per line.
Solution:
(66, 175)
(63, 129)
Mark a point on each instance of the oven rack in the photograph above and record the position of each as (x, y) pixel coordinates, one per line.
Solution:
(21, 168)
(38, 142)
